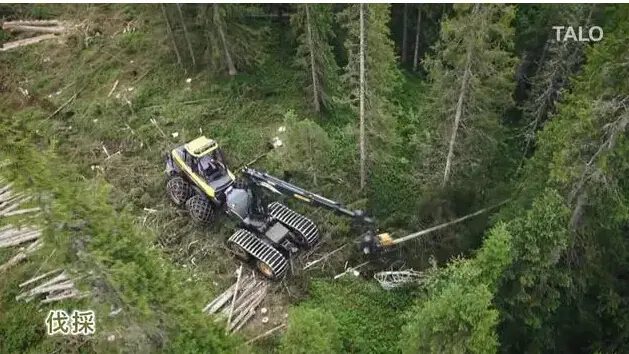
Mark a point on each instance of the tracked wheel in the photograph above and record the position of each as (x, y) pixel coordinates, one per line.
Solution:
(200, 209)
(178, 190)
(268, 260)
(239, 252)
(305, 231)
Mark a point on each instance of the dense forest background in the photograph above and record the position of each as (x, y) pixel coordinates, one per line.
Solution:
(460, 107)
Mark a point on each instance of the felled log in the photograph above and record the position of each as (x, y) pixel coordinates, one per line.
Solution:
(13, 261)
(72, 294)
(244, 297)
(39, 277)
(37, 29)
(33, 23)
(21, 256)
(20, 238)
(59, 278)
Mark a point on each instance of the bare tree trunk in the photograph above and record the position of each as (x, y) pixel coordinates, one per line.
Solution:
(362, 98)
(315, 85)
(228, 58)
(185, 33)
(419, 23)
(405, 34)
(312, 163)
(170, 33)
(457, 116)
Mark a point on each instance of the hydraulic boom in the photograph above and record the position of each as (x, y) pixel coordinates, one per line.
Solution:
(282, 187)
(370, 241)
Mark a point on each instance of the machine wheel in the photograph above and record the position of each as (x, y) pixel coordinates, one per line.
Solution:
(239, 252)
(200, 209)
(266, 270)
(268, 260)
(178, 190)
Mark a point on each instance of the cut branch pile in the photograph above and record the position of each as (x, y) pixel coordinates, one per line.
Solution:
(239, 302)
(58, 288)
(47, 30)
(393, 279)
(9, 202)
(11, 235)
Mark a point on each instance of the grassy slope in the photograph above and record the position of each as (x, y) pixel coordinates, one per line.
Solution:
(160, 305)
(108, 196)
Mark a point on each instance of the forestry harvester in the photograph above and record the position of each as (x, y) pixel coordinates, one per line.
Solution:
(268, 233)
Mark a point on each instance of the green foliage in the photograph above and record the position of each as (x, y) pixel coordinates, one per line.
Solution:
(549, 276)
(311, 331)
(581, 154)
(369, 318)
(306, 148)
(120, 254)
(245, 43)
(532, 285)
(382, 76)
(558, 61)
(477, 40)
(313, 24)
(457, 314)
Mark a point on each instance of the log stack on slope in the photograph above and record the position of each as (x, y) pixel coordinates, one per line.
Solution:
(239, 302)
(11, 235)
(38, 31)
(58, 288)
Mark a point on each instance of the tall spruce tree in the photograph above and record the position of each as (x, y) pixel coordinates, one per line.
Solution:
(381, 77)
(471, 83)
(230, 44)
(457, 314)
(556, 63)
(313, 24)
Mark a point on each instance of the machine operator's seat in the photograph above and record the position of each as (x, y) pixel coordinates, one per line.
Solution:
(208, 163)
(214, 173)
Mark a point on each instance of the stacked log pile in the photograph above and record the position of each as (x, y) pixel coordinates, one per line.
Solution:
(58, 288)
(239, 302)
(47, 30)
(10, 201)
(11, 235)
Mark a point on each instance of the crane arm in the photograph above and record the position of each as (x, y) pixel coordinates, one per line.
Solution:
(282, 187)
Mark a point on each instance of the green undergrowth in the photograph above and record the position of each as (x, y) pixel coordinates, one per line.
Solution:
(369, 318)
(99, 161)
(119, 259)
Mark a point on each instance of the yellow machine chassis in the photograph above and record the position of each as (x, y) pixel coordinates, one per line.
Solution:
(198, 144)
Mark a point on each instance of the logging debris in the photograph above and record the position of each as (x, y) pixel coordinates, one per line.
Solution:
(45, 30)
(60, 287)
(11, 235)
(238, 303)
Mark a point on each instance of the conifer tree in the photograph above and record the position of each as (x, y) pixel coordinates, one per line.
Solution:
(381, 76)
(557, 62)
(313, 24)
(457, 315)
(231, 44)
(471, 83)
(573, 243)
